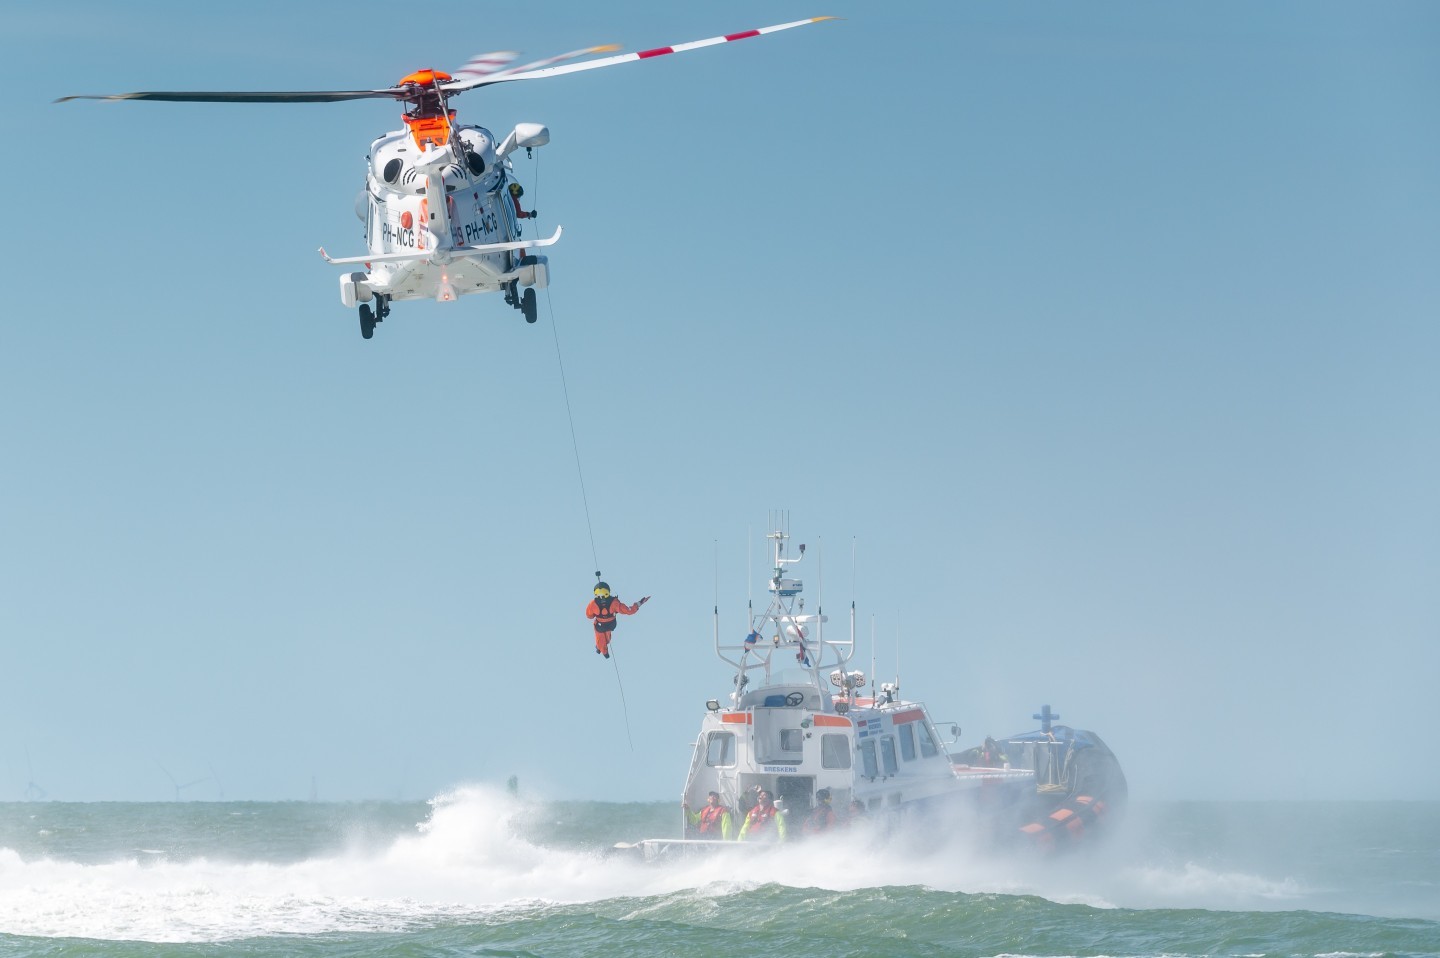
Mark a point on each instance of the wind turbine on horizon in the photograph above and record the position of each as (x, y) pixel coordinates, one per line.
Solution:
(178, 785)
(33, 792)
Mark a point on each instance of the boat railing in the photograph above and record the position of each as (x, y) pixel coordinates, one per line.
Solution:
(1050, 762)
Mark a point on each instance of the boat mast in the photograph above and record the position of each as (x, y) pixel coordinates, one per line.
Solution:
(783, 624)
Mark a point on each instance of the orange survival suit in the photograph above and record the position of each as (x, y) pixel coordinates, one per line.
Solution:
(602, 610)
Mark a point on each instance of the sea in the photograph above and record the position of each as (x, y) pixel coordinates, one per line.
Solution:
(483, 871)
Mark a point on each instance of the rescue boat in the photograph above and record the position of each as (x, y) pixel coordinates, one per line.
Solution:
(802, 726)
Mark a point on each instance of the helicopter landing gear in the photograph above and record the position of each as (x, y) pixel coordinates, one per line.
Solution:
(369, 317)
(525, 303)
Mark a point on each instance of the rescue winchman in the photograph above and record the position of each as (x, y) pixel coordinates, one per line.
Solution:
(602, 611)
(517, 191)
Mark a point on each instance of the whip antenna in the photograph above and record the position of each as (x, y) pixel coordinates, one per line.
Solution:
(872, 658)
(717, 593)
(852, 595)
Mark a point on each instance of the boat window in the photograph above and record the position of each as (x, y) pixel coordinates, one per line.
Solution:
(720, 749)
(867, 758)
(928, 748)
(887, 752)
(835, 751)
(907, 741)
(792, 740)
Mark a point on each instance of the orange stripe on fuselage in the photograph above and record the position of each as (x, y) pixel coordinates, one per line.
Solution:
(832, 720)
(736, 718)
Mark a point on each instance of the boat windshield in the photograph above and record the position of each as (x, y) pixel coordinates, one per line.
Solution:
(795, 676)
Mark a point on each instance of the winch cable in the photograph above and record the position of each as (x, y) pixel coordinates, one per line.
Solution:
(579, 470)
(575, 443)
(624, 709)
(565, 390)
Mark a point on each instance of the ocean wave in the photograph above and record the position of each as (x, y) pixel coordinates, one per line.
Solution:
(474, 861)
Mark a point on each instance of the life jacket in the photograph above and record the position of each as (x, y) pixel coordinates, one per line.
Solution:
(821, 818)
(710, 818)
(761, 818)
(604, 618)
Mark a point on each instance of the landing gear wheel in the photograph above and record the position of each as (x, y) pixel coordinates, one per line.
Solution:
(367, 321)
(527, 305)
(794, 699)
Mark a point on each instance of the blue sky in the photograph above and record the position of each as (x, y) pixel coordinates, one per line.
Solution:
(1103, 334)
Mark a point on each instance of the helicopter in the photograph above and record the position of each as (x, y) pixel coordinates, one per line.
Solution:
(421, 247)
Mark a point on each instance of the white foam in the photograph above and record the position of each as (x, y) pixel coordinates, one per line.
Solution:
(467, 861)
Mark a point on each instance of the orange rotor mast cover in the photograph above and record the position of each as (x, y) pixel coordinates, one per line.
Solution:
(428, 129)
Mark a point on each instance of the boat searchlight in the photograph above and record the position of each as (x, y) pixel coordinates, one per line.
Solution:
(712, 706)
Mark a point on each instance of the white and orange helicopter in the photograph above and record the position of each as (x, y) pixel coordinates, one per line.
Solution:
(421, 248)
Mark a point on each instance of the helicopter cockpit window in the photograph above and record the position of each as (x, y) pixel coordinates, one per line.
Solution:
(391, 173)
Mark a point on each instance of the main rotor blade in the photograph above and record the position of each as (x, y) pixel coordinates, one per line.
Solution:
(198, 96)
(530, 71)
(529, 74)
(467, 79)
(486, 64)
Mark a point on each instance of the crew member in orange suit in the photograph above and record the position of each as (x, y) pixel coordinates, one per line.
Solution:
(602, 610)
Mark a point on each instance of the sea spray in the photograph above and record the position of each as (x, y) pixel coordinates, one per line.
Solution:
(480, 869)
